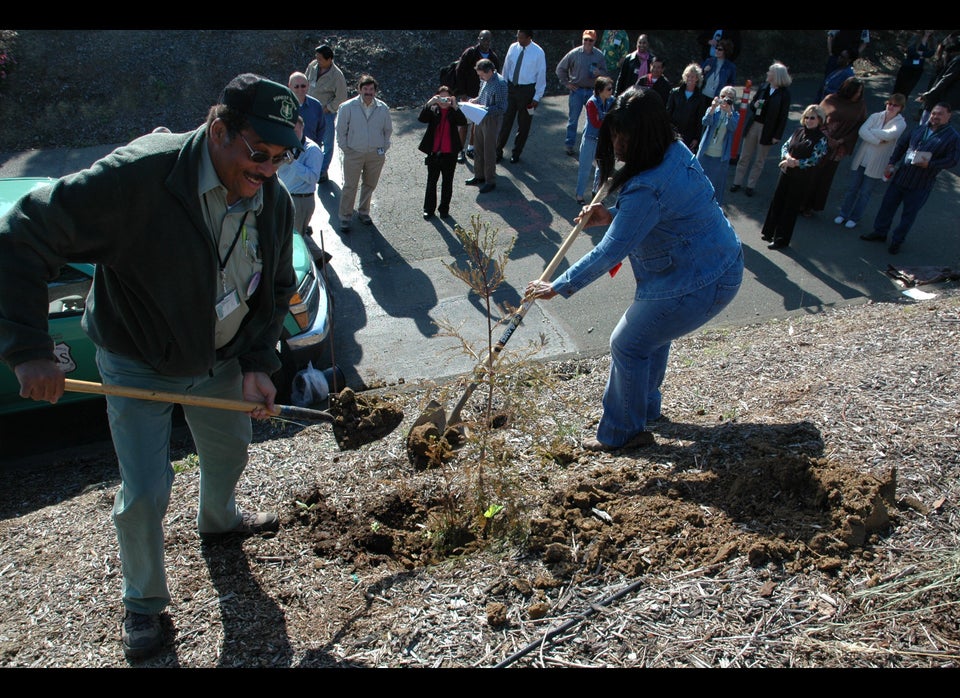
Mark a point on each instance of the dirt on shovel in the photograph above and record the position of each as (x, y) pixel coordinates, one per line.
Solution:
(362, 419)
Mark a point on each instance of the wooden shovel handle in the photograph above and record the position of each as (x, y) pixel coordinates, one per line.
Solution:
(78, 386)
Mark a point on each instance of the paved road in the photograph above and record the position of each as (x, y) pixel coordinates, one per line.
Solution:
(391, 287)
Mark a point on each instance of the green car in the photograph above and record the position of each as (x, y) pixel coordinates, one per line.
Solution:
(304, 331)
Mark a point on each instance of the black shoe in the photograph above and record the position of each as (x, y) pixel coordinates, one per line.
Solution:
(444, 214)
(427, 215)
(474, 181)
(460, 158)
(572, 153)
(470, 154)
(735, 188)
(308, 232)
(499, 156)
(141, 635)
(894, 248)
(767, 238)
(873, 237)
(777, 245)
(489, 186)
(514, 159)
(748, 191)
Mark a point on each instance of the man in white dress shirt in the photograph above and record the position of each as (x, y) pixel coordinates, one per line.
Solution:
(525, 68)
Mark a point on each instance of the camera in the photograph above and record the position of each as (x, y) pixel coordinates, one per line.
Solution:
(444, 100)
(728, 100)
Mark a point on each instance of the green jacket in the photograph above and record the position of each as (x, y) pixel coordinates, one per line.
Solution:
(136, 214)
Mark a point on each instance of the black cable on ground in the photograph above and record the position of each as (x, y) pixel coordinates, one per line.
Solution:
(594, 608)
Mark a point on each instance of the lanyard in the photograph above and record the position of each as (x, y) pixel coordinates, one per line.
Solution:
(223, 260)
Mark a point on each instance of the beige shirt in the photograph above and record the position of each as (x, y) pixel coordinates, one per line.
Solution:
(244, 263)
(330, 88)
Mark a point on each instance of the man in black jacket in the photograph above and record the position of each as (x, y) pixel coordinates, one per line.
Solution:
(468, 84)
(191, 235)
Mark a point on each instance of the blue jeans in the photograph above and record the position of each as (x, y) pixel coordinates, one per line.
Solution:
(141, 432)
(716, 170)
(329, 136)
(575, 104)
(912, 200)
(858, 195)
(640, 347)
(588, 149)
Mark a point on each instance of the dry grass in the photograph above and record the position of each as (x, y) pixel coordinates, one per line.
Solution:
(850, 394)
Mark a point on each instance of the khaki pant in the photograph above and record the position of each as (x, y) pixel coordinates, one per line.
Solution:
(360, 169)
(303, 208)
(752, 153)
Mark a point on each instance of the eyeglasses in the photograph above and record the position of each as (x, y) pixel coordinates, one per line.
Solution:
(810, 117)
(260, 157)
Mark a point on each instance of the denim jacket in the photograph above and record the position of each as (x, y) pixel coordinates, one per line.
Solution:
(668, 223)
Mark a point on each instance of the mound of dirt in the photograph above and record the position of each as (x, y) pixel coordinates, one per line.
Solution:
(772, 502)
(361, 418)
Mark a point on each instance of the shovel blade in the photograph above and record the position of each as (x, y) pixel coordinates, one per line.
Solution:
(432, 413)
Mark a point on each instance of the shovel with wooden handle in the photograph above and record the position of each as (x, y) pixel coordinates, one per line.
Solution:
(434, 413)
(289, 411)
(284, 411)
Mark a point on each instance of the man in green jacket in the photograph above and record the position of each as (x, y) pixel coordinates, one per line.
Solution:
(192, 237)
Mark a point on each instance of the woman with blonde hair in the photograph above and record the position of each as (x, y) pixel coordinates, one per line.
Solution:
(686, 104)
(799, 160)
(767, 117)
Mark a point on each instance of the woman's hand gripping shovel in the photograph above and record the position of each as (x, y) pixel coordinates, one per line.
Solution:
(434, 413)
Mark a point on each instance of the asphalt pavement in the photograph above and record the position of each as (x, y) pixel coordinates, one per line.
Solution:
(394, 295)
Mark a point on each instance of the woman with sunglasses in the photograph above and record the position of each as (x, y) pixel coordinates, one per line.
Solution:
(878, 138)
(800, 157)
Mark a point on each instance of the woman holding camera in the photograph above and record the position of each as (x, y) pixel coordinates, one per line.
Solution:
(441, 143)
(719, 124)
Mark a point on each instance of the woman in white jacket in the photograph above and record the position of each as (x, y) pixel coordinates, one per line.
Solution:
(878, 137)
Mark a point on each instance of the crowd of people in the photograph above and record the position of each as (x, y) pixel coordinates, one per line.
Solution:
(703, 106)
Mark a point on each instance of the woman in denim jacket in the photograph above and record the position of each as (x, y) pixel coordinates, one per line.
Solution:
(719, 124)
(597, 108)
(686, 260)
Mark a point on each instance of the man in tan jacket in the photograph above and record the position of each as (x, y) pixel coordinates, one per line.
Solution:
(364, 127)
(327, 84)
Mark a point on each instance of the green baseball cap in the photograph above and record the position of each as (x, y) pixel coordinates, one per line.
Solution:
(271, 108)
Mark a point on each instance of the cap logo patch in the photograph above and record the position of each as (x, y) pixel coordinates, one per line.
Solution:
(287, 108)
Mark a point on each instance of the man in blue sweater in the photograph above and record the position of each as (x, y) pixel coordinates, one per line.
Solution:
(930, 148)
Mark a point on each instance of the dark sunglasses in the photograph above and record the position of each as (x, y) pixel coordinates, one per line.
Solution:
(260, 156)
